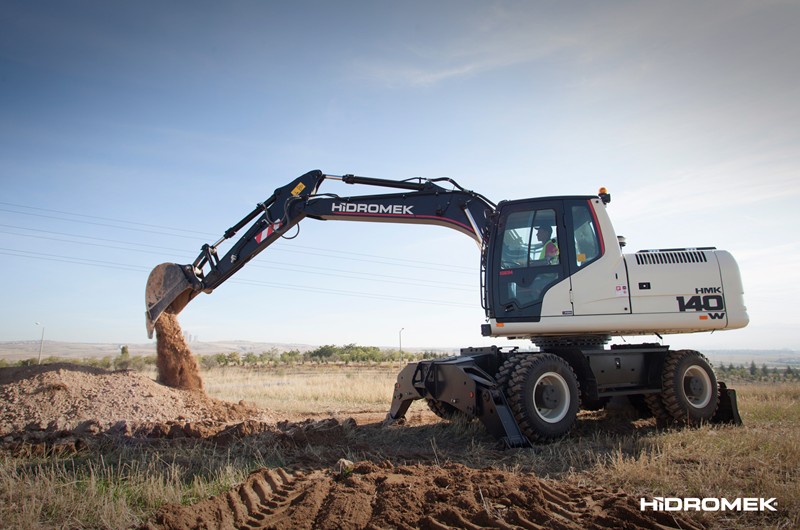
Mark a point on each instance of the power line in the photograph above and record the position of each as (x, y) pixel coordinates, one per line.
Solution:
(389, 259)
(410, 281)
(182, 233)
(381, 261)
(134, 268)
(324, 271)
(160, 227)
(70, 259)
(94, 238)
(160, 232)
(350, 293)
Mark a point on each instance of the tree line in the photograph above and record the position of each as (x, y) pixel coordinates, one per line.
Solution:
(349, 353)
(354, 353)
(753, 372)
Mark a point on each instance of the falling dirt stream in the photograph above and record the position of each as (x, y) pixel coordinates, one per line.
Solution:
(177, 367)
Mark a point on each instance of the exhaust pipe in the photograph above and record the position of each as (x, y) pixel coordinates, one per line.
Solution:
(168, 289)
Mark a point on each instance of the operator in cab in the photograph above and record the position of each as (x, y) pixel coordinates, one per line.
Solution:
(549, 252)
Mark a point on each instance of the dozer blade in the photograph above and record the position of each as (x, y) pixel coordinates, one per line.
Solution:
(167, 290)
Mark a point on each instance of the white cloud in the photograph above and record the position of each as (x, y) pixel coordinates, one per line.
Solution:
(613, 45)
(730, 185)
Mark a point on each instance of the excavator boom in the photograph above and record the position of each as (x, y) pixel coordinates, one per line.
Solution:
(171, 286)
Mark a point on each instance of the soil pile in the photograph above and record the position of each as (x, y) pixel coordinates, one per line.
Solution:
(176, 365)
(37, 401)
(369, 495)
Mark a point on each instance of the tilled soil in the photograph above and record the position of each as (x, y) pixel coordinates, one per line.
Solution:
(383, 495)
(397, 481)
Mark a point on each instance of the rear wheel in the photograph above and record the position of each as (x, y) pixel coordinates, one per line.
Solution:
(690, 391)
(543, 393)
(657, 409)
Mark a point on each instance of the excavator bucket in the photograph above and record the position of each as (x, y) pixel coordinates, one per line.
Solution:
(167, 290)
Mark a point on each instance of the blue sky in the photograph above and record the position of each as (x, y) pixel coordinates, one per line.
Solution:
(132, 133)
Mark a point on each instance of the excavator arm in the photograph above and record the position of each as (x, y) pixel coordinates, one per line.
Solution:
(171, 286)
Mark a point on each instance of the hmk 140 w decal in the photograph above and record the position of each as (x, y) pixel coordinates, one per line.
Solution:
(713, 304)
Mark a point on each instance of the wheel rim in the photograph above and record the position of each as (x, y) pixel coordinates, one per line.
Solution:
(551, 397)
(697, 387)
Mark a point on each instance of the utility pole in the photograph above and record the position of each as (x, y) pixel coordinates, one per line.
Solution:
(41, 343)
(401, 341)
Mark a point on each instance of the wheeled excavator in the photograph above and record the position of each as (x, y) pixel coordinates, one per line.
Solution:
(552, 271)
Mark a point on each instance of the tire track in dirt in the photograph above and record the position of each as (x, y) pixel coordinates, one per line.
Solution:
(369, 495)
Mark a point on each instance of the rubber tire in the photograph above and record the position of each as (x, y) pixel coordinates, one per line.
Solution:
(658, 410)
(522, 385)
(503, 375)
(446, 411)
(690, 391)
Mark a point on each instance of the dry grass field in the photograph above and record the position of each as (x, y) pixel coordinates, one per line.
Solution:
(307, 390)
(118, 482)
(760, 459)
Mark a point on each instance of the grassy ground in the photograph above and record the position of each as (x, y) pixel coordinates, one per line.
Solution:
(119, 484)
(310, 389)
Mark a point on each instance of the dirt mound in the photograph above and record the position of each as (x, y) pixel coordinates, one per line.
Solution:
(37, 401)
(176, 365)
(369, 495)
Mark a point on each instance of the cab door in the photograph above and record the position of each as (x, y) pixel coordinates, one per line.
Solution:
(526, 262)
(598, 276)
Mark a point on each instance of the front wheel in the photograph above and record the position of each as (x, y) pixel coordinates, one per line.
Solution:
(690, 392)
(446, 411)
(543, 393)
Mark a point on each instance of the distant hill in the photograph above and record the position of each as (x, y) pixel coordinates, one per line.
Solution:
(17, 350)
(769, 357)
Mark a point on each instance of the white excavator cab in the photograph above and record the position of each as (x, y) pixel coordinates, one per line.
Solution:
(555, 268)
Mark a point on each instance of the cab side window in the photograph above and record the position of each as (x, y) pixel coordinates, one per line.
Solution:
(587, 239)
